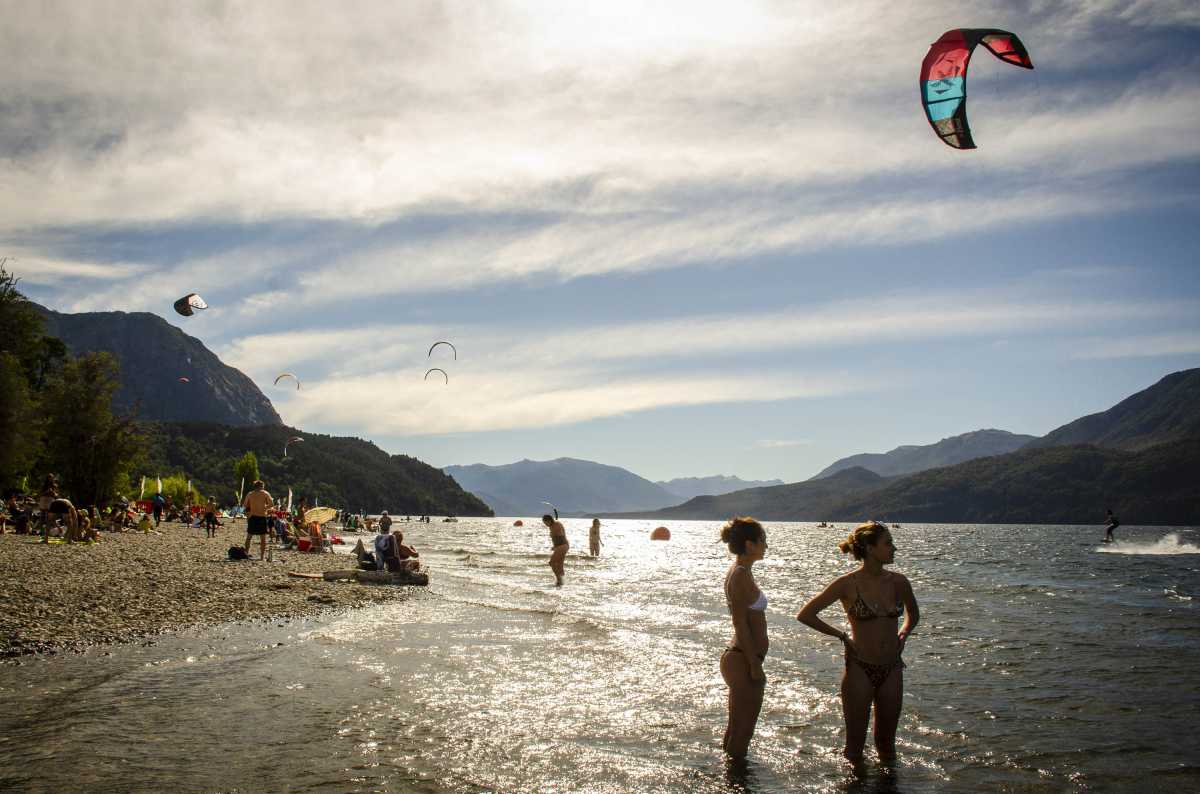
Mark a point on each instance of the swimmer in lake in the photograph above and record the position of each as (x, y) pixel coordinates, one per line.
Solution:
(560, 547)
(742, 660)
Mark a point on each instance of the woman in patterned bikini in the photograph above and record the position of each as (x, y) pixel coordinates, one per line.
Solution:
(875, 600)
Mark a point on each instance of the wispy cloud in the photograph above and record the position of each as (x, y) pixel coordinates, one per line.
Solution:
(1138, 346)
(780, 443)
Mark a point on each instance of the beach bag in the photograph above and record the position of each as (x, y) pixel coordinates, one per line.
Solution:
(238, 553)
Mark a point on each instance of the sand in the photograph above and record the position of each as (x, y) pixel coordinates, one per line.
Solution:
(130, 586)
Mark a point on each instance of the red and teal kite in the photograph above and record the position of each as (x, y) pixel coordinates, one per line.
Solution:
(944, 77)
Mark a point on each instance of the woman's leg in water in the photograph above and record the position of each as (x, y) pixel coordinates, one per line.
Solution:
(745, 703)
(888, 700)
(857, 694)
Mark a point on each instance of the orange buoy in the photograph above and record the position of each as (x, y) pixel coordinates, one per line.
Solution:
(518, 523)
(660, 533)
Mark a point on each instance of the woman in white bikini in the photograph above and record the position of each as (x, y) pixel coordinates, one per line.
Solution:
(742, 661)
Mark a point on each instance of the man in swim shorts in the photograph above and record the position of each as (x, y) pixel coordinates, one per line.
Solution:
(258, 503)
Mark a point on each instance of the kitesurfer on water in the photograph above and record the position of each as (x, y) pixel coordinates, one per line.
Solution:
(1113, 523)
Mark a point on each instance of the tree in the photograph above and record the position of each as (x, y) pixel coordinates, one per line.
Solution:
(246, 468)
(22, 333)
(92, 450)
(20, 427)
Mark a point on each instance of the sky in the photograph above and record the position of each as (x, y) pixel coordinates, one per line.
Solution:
(685, 238)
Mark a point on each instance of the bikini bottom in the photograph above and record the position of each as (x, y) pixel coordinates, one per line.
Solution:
(877, 674)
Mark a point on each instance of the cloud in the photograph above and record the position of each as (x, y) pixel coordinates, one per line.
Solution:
(400, 403)
(780, 443)
(372, 375)
(1138, 346)
(40, 270)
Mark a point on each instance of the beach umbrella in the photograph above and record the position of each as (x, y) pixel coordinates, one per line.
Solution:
(319, 515)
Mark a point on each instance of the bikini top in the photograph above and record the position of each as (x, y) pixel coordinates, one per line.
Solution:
(760, 603)
(861, 610)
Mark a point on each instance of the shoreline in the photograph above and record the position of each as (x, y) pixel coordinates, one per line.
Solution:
(68, 598)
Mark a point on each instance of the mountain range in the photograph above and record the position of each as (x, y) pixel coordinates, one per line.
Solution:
(1138, 457)
(572, 485)
(688, 487)
(910, 458)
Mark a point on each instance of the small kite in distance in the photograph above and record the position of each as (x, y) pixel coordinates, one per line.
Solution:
(184, 380)
(290, 441)
(189, 303)
(943, 81)
(448, 344)
(283, 375)
(437, 369)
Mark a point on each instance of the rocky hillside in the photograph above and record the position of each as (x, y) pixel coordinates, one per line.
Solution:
(1167, 411)
(909, 459)
(154, 355)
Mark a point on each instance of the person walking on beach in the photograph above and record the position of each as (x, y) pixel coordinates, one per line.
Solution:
(1113, 523)
(558, 542)
(258, 504)
(156, 506)
(594, 543)
(875, 600)
(742, 661)
(210, 519)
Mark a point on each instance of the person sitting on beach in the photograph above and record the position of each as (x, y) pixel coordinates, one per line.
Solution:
(405, 554)
(742, 660)
(875, 600)
(17, 515)
(257, 503)
(366, 559)
(146, 527)
(559, 546)
(88, 533)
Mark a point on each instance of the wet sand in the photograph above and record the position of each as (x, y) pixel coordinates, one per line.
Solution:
(132, 585)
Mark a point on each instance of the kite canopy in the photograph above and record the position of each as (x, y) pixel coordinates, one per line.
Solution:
(188, 303)
(290, 441)
(943, 81)
(437, 369)
(184, 380)
(286, 375)
(448, 344)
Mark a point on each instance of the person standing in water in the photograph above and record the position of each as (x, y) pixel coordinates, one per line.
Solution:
(558, 540)
(258, 504)
(875, 600)
(594, 543)
(1113, 523)
(742, 661)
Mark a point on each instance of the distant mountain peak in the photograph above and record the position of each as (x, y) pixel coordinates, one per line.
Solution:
(911, 458)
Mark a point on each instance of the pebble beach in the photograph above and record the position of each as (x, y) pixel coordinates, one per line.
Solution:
(132, 585)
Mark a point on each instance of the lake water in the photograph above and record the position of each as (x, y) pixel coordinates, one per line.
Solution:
(1045, 661)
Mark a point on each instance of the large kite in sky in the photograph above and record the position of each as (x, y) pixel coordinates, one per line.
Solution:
(944, 77)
